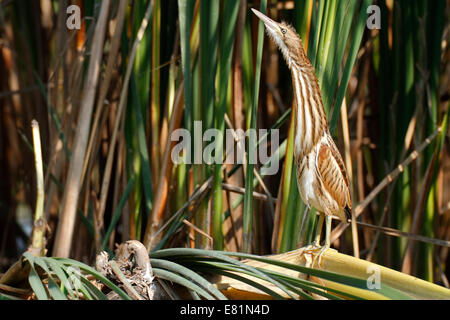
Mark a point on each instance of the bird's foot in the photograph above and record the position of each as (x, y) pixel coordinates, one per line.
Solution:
(314, 253)
(319, 255)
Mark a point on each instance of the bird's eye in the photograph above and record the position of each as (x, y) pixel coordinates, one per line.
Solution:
(283, 30)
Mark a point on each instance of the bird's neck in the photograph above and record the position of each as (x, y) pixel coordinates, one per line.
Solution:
(311, 122)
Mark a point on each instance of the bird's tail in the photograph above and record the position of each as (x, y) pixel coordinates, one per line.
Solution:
(348, 213)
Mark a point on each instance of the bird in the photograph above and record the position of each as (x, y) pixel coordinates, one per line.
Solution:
(321, 176)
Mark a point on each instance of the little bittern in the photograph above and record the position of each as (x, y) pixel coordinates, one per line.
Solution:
(321, 176)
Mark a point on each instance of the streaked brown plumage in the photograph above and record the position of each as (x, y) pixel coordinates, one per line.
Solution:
(321, 176)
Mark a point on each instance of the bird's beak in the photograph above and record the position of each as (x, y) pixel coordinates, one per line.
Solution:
(271, 25)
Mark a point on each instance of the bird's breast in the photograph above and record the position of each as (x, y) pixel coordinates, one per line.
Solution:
(308, 184)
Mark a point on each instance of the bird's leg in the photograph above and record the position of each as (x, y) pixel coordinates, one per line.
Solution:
(328, 231)
(319, 230)
(328, 220)
(314, 250)
(310, 251)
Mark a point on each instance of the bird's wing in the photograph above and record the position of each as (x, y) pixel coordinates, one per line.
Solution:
(333, 175)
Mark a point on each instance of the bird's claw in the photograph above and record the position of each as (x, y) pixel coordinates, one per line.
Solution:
(314, 253)
(320, 255)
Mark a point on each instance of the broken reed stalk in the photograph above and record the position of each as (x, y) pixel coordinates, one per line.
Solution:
(126, 284)
(335, 262)
(37, 247)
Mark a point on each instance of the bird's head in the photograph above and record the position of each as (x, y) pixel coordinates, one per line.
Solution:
(284, 35)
